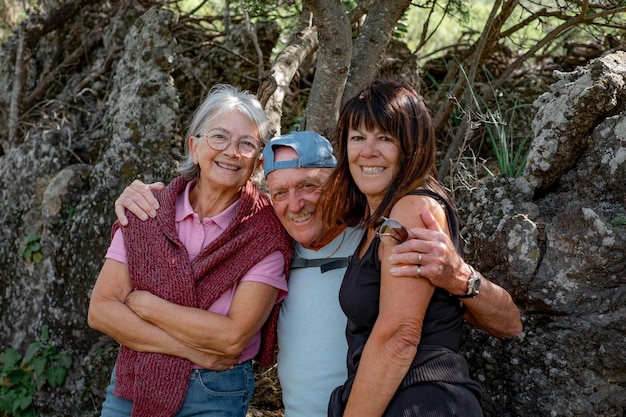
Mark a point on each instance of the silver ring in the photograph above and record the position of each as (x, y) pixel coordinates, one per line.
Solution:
(419, 259)
(419, 270)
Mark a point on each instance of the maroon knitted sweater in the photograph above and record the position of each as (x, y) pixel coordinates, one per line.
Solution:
(158, 262)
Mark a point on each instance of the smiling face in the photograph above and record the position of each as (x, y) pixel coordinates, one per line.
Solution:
(295, 194)
(373, 159)
(227, 169)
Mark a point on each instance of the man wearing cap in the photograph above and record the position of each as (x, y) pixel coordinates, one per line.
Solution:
(311, 325)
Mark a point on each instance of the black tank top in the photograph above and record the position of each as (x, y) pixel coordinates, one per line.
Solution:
(359, 299)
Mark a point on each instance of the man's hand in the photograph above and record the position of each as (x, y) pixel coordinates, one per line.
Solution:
(139, 200)
(436, 256)
(492, 310)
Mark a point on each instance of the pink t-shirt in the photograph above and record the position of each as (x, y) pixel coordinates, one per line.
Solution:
(195, 235)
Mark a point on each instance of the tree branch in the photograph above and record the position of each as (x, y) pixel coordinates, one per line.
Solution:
(70, 62)
(255, 40)
(29, 34)
(331, 69)
(39, 27)
(582, 17)
(275, 85)
(371, 43)
(485, 43)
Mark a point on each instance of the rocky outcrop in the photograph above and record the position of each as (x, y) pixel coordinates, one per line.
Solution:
(64, 196)
(555, 238)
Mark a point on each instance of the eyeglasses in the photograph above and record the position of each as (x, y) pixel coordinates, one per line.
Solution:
(247, 146)
(392, 232)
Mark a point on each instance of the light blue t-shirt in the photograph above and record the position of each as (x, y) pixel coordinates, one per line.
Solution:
(312, 345)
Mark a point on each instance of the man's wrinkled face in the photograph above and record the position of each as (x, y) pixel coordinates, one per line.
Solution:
(295, 194)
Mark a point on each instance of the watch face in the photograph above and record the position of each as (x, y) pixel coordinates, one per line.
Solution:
(476, 286)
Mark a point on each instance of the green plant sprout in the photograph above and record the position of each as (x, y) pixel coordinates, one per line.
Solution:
(511, 158)
(22, 376)
(30, 248)
(618, 221)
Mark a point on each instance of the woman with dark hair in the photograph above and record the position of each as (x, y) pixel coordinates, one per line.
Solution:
(403, 334)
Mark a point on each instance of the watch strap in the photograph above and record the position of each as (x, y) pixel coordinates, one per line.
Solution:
(473, 284)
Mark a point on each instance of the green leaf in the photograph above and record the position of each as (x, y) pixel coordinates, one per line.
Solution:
(39, 365)
(18, 376)
(40, 382)
(21, 377)
(32, 237)
(6, 403)
(32, 351)
(619, 221)
(56, 376)
(45, 333)
(10, 357)
(64, 360)
(22, 403)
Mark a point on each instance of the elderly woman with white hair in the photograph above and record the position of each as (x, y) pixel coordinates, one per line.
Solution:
(187, 293)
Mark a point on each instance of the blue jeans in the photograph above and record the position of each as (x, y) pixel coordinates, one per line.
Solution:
(210, 393)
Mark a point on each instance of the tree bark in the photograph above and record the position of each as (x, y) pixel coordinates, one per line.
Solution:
(16, 92)
(331, 70)
(371, 43)
(273, 89)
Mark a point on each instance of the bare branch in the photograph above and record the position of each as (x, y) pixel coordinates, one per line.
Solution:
(577, 20)
(274, 86)
(360, 10)
(70, 62)
(425, 36)
(486, 42)
(255, 40)
(38, 28)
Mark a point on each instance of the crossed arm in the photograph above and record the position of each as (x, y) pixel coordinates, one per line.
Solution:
(146, 323)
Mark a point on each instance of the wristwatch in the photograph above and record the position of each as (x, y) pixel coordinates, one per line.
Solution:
(473, 284)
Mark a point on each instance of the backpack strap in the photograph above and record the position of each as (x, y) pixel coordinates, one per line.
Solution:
(325, 264)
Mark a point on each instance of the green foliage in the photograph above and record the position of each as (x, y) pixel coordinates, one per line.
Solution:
(511, 156)
(22, 376)
(446, 23)
(618, 222)
(30, 248)
(67, 212)
(402, 28)
(350, 4)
